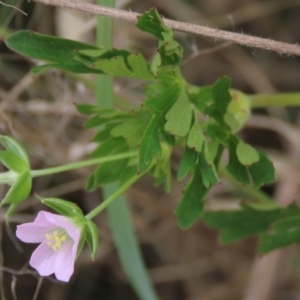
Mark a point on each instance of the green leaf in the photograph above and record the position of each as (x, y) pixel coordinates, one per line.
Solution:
(150, 144)
(152, 23)
(86, 109)
(109, 172)
(37, 70)
(106, 116)
(284, 231)
(179, 117)
(63, 207)
(91, 183)
(238, 171)
(246, 154)
(166, 96)
(104, 134)
(263, 171)
(196, 137)
(92, 237)
(134, 66)
(169, 51)
(191, 206)
(231, 121)
(200, 97)
(239, 224)
(13, 161)
(20, 189)
(221, 97)
(133, 129)
(187, 163)
(162, 170)
(269, 242)
(207, 168)
(112, 145)
(13, 146)
(260, 172)
(49, 48)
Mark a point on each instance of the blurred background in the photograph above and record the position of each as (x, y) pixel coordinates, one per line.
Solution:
(183, 265)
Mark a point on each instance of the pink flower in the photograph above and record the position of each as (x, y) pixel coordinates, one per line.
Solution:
(59, 237)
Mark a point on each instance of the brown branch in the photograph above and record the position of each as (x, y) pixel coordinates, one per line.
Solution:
(242, 39)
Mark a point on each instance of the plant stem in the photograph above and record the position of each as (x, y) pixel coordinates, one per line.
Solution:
(113, 196)
(81, 164)
(267, 100)
(239, 38)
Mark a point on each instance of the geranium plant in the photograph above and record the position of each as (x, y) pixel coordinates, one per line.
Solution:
(202, 121)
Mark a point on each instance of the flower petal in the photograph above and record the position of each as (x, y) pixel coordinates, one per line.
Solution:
(60, 221)
(43, 259)
(64, 263)
(30, 233)
(44, 219)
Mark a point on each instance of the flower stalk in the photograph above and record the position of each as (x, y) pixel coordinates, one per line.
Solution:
(81, 164)
(113, 196)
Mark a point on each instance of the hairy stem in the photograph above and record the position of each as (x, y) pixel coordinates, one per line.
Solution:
(239, 38)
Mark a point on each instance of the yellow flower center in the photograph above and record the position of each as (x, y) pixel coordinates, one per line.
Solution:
(56, 239)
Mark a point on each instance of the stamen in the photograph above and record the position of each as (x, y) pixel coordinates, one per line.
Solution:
(56, 239)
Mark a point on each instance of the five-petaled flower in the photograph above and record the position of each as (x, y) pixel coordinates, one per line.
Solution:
(59, 237)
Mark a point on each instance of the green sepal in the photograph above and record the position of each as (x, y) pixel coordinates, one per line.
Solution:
(14, 147)
(81, 243)
(13, 162)
(63, 207)
(10, 211)
(20, 189)
(92, 237)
